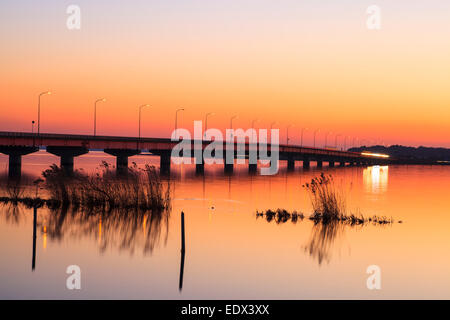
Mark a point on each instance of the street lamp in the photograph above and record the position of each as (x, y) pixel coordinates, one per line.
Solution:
(206, 121)
(140, 109)
(271, 126)
(176, 119)
(301, 136)
(336, 140)
(32, 126)
(326, 138)
(287, 134)
(95, 114)
(253, 127)
(39, 108)
(315, 133)
(345, 143)
(231, 125)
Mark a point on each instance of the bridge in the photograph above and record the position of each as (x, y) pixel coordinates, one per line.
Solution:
(69, 146)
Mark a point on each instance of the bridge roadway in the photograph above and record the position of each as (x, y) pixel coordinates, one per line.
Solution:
(68, 146)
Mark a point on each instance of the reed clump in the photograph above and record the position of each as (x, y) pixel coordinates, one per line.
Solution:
(328, 205)
(280, 215)
(140, 188)
(326, 202)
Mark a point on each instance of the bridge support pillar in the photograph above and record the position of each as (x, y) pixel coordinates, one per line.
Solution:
(331, 164)
(164, 164)
(122, 159)
(342, 164)
(66, 155)
(15, 159)
(200, 168)
(319, 164)
(252, 168)
(199, 165)
(228, 168)
(306, 164)
(290, 164)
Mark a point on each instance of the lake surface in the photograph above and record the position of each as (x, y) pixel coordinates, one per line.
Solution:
(230, 253)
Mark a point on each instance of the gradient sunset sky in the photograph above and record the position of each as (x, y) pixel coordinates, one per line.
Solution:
(302, 63)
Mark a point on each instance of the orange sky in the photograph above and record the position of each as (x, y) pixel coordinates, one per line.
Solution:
(299, 64)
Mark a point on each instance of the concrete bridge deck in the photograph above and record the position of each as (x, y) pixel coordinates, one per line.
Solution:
(68, 146)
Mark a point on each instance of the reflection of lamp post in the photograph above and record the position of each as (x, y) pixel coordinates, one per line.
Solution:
(301, 136)
(206, 121)
(315, 133)
(140, 108)
(95, 114)
(176, 119)
(39, 109)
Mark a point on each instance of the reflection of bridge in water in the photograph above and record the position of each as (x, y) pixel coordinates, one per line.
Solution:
(67, 147)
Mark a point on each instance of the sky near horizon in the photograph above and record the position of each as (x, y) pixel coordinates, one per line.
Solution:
(301, 63)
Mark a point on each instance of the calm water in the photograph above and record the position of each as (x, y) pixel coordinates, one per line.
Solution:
(229, 252)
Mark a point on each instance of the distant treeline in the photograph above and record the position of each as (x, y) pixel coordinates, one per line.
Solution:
(398, 151)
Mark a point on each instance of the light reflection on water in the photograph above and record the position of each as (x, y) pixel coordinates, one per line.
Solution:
(376, 179)
(230, 253)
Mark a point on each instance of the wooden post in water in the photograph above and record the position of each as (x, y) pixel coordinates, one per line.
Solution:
(183, 250)
(33, 261)
(183, 244)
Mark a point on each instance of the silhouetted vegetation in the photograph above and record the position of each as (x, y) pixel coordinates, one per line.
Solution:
(281, 216)
(328, 205)
(140, 188)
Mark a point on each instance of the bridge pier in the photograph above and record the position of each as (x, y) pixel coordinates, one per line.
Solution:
(164, 163)
(122, 159)
(199, 168)
(342, 164)
(306, 164)
(228, 168)
(331, 164)
(15, 158)
(252, 168)
(319, 164)
(199, 165)
(66, 155)
(291, 164)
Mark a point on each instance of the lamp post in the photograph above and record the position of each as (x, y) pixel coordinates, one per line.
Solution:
(140, 110)
(176, 119)
(254, 131)
(326, 138)
(95, 114)
(336, 140)
(345, 143)
(315, 133)
(271, 126)
(301, 136)
(39, 108)
(287, 134)
(32, 126)
(231, 126)
(206, 121)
